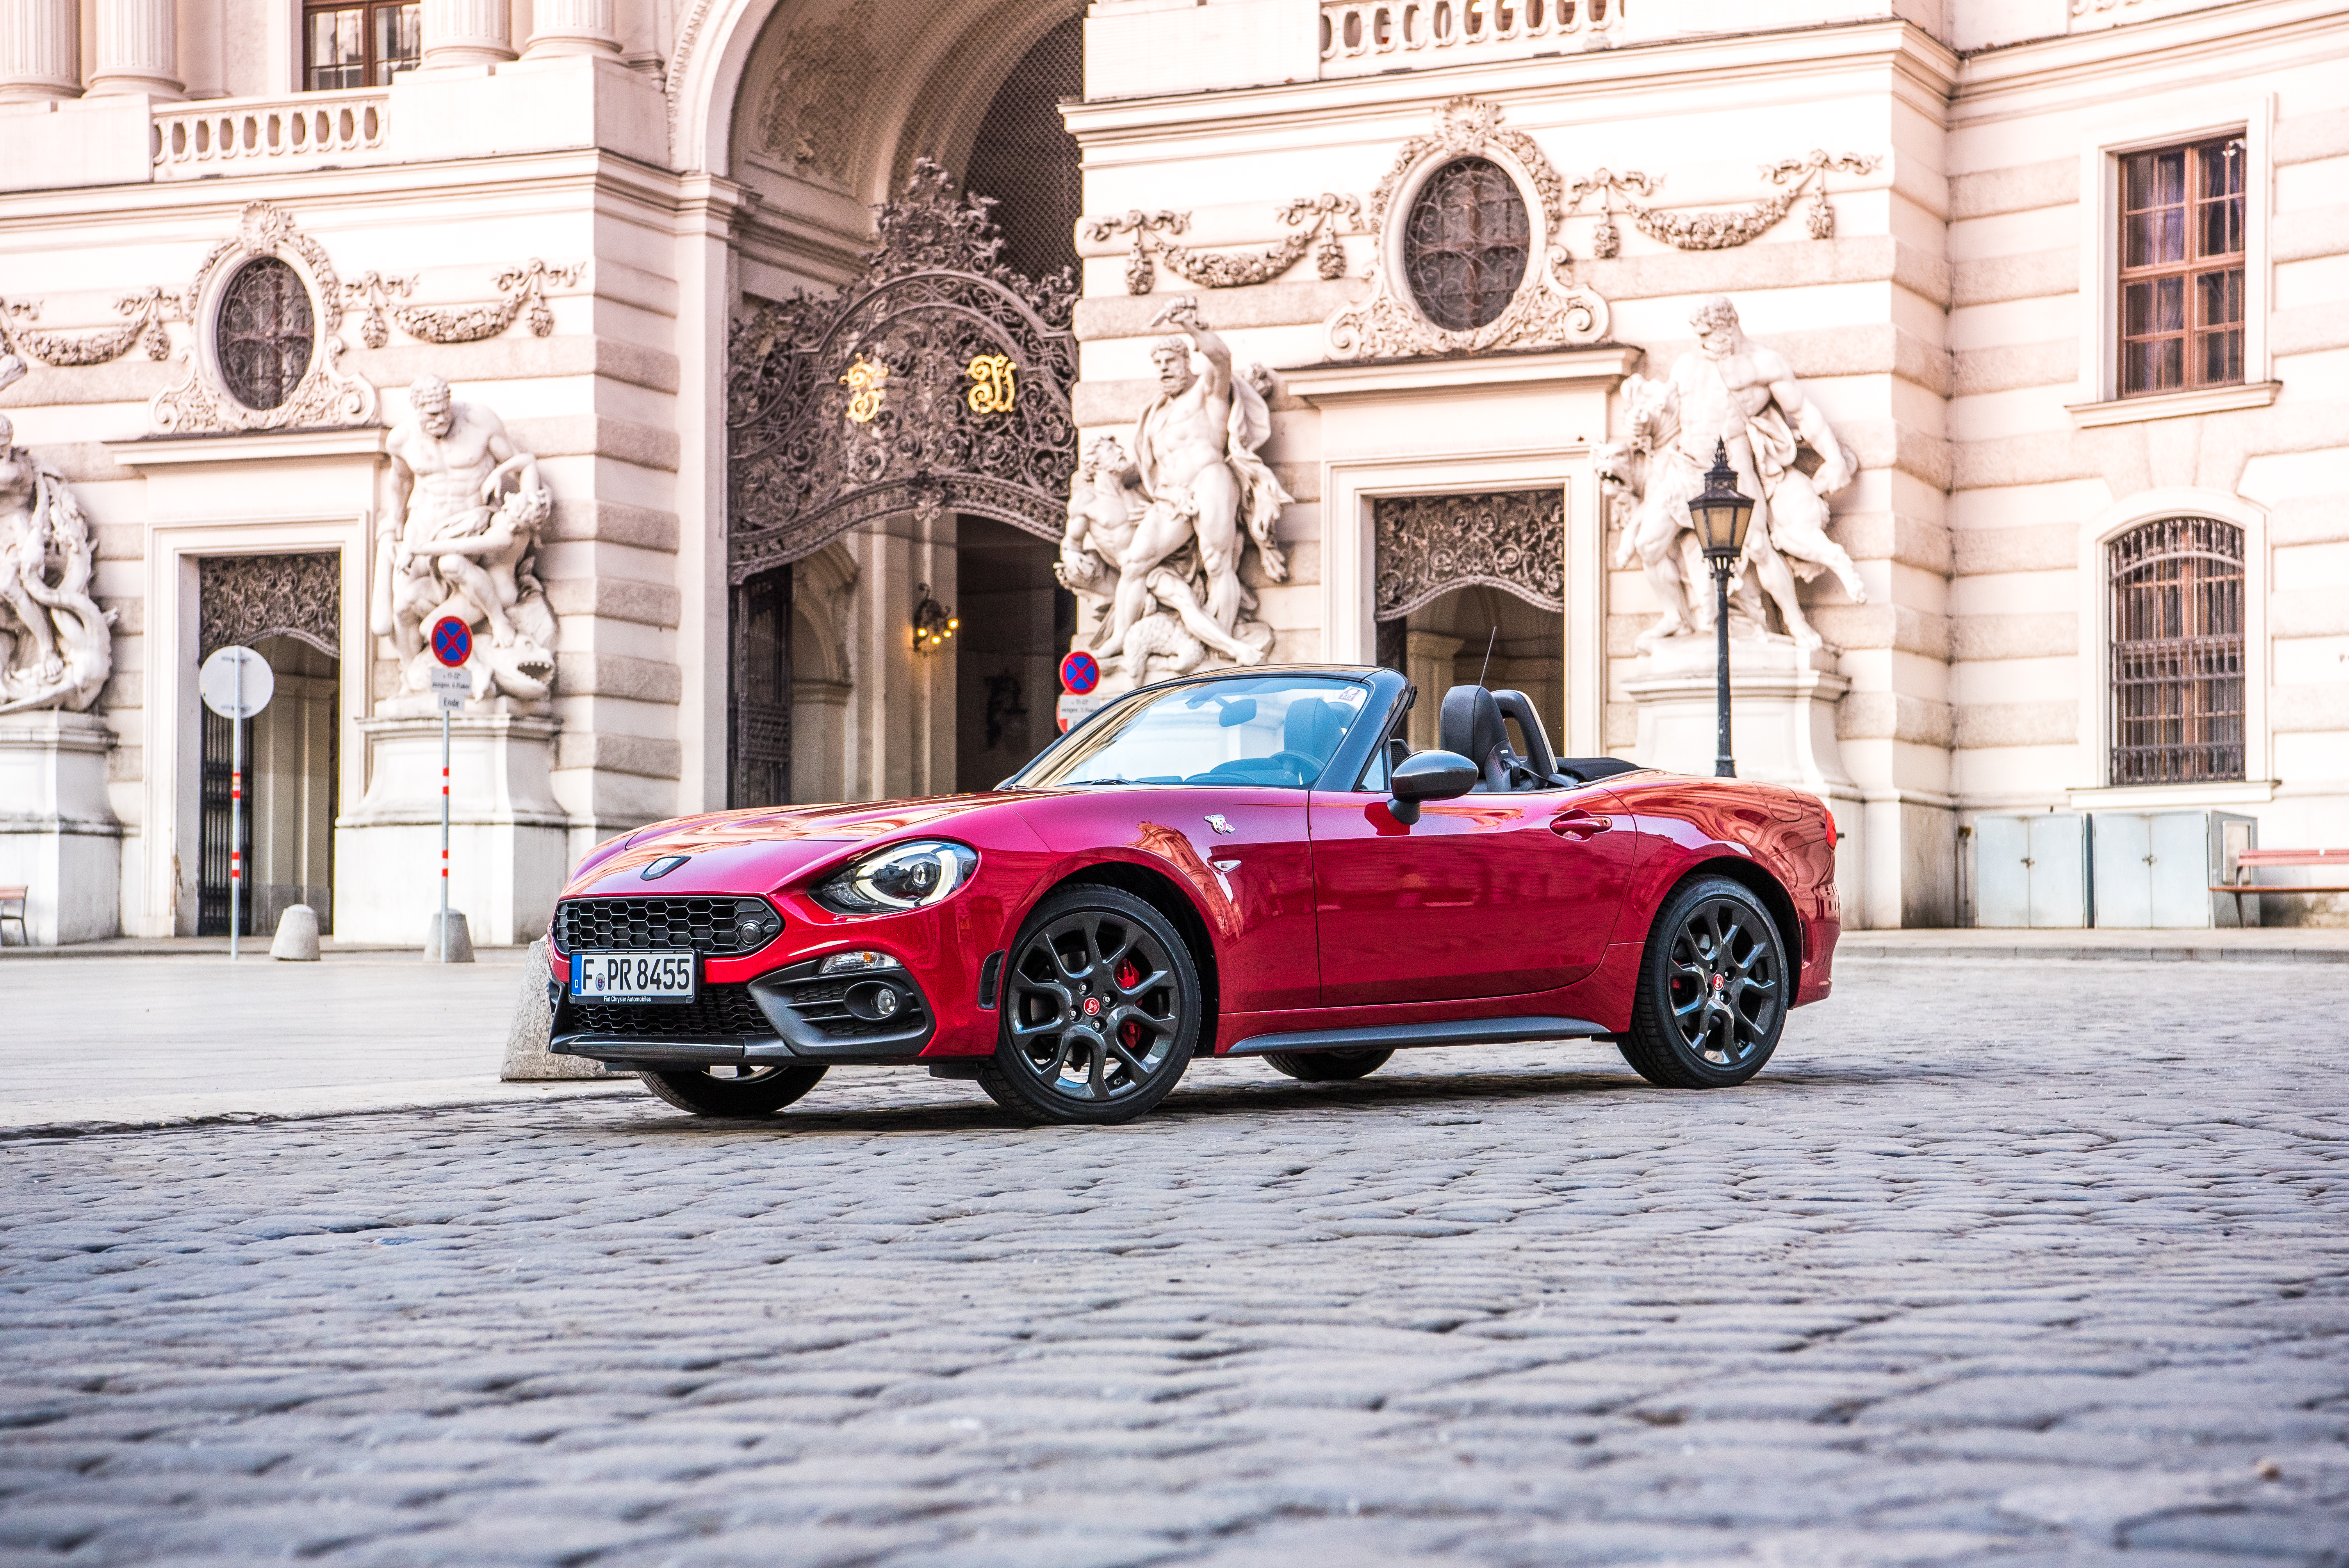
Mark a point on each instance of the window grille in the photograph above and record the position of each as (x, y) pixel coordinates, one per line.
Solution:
(2181, 271)
(265, 333)
(362, 45)
(1025, 158)
(1466, 244)
(2178, 652)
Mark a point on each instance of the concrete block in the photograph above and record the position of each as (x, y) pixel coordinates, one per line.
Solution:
(297, 935)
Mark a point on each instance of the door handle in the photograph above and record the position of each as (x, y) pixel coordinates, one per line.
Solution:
(1579, 824)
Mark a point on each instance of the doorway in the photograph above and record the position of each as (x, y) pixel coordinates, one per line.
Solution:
(292, 795)
(1442, 645)
(1017, 621)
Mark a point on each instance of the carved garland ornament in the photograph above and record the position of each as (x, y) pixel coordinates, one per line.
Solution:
(524, 288)
(1716, 230)
(1427, 545)
(1331, 215)
(148, 310)
(324, 395)
(1549, 307)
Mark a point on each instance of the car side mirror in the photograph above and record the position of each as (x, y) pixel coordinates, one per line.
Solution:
(1428, 776)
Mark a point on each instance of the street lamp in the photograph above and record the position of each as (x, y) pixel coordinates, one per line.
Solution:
(1722, 515)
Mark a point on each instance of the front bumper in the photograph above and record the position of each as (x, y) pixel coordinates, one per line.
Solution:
(791, 1013)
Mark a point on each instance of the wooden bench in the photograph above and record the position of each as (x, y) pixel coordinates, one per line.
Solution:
(2243, 887)
(12, 913)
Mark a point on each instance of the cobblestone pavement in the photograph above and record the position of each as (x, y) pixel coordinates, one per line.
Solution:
(1998, 1263)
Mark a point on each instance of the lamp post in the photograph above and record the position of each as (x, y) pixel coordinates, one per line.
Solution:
(1722, 515)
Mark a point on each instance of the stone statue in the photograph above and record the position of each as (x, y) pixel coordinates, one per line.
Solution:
(1154, 538)
(56, 646)
(1734, 392)
(464, 543)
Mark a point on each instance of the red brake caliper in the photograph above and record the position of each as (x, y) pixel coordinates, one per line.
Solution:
(1129, 1033)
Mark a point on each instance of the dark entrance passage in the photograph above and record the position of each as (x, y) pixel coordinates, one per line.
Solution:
(1016, 620)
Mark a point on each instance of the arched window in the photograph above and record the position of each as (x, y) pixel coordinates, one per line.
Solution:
(2178, 652)
(1465, 246)
(265, 333)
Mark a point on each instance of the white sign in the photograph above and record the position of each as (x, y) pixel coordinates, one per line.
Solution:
(1073, 710)
(236, 683)
(451, 686)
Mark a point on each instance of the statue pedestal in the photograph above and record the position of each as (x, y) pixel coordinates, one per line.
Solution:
(1782, 713)
(507, 851)
(58, 838)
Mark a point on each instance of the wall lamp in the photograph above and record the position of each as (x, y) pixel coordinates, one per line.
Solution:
(933, 621)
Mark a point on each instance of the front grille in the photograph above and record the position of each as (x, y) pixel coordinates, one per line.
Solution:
(823, 1004)
(718, 1010)
(636, 924)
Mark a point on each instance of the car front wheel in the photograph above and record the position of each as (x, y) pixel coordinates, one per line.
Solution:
(1101, 1011)
(740, 1092)
(1714, 989)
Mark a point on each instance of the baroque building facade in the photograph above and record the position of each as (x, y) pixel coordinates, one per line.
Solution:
(673, 344)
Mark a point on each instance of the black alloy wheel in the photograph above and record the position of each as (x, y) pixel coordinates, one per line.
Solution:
(1326, 1067)
(1101, 1011)
(1714, 989)
(743, 1091)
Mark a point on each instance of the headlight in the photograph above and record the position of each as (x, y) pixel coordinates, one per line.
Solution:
(902, 876)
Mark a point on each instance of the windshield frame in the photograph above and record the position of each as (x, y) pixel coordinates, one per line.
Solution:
(1387, 692)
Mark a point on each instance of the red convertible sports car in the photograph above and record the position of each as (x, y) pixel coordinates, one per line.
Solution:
(1248, 864)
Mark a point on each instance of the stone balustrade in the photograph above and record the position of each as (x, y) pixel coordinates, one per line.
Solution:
(242, 136)
(1426, 32)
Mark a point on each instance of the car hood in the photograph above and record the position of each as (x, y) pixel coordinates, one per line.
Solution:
(758, 849)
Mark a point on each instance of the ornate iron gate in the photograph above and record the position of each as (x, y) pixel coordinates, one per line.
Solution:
(936, 382)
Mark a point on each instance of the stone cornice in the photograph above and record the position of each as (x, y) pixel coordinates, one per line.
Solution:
(2135, 51)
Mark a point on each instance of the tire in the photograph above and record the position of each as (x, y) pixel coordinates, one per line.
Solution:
(759, 1091)
(1326, 1067)
(1714, 989)
(1103, 949)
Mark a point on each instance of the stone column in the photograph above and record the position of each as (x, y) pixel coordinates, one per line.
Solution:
(138, 50)
(573, 27)
(37, 50)
(466, 32)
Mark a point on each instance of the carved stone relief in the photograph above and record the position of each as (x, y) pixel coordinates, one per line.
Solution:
(523, 289)
(241, 599)
(1717, 231)
(811, 110)
(1428, 545)
(147, 310)
(324, 395)
(56, 646)
(1549, 308)
(1324, 218)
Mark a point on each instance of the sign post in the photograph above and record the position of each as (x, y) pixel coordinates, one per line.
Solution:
(236, 684)
(453, 645)
(1080, 674)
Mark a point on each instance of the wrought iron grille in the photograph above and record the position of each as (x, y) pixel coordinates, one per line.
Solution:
(266, 335)
(215, 812)
(2178, 652)
(718, 1010)
(1466, 244)
(1025, 158)
(762, 694)
(705, 925)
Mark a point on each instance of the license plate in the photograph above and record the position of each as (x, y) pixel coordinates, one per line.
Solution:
(632, 977)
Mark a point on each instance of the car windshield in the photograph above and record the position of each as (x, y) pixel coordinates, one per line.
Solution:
(1277, 730)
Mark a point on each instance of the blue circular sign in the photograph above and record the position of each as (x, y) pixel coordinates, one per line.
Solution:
(1079, 673)
(452, 641)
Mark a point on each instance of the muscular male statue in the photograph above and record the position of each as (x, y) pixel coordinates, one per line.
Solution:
(1736, 393)
(24, 549)
(456, 540)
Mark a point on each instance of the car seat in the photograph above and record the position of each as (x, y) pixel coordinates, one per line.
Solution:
(1311, 727)
(1474, 723)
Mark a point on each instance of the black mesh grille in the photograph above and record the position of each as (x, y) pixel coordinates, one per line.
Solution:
(718, 1010)
(634, 925)
(824, 1003)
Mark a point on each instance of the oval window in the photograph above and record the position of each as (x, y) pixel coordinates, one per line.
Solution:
(1465, 245)
(265, 333)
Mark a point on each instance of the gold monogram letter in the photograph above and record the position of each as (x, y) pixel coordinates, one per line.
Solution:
(994, 384)
(864, 381)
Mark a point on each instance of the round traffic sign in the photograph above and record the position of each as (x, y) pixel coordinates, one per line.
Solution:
(236, 683)
(452, 641)
(1079, 673)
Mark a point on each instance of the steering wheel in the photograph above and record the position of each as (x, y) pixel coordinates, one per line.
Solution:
(1307, 767)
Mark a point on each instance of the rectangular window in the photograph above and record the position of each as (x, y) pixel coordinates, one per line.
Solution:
(2182, 274)
(361, 46)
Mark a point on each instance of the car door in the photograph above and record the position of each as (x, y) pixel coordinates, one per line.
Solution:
(1487, 895)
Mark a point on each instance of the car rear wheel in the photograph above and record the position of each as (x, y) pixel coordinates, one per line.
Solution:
(1101, 1011)
(1326, 1067)
(740, 1091)
(1714, 989)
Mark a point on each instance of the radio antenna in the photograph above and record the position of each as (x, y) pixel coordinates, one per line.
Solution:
(1488, 655)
